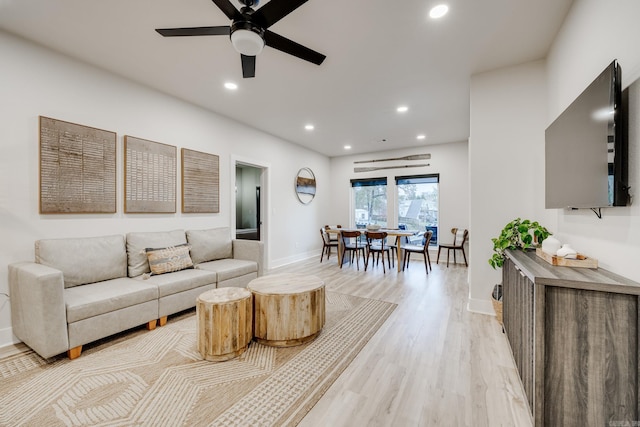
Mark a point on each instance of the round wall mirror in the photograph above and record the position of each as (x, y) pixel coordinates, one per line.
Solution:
(305, 185)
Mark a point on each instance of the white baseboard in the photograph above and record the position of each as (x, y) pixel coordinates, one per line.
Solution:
(481, 306)
(294, 258)
(7, 337)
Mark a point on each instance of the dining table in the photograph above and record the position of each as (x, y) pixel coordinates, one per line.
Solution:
(390, 232)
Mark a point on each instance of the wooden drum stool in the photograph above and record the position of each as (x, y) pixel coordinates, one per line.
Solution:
(289, 309)
(225, 320)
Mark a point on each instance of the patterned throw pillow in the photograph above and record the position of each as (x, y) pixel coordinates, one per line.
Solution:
(167, 260)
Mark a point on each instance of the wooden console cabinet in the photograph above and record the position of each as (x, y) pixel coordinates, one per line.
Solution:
(574, 337)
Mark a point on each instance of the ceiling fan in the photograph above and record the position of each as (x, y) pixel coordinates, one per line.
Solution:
(249, 31)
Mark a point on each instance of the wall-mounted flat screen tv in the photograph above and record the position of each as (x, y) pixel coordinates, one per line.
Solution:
(586, 148)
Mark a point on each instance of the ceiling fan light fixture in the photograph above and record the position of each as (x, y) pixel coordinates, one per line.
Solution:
(247, 39)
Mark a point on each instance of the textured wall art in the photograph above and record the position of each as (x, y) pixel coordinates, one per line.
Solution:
(200, 182)
(77, 168)
(149, 176)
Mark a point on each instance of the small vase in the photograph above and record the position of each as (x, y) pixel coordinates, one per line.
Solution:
(567, 252)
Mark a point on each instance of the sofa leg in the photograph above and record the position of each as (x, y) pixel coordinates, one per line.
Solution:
(162, 321)
(151, 324)
(74, 353)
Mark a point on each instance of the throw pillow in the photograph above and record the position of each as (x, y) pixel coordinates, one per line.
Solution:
(169, 259)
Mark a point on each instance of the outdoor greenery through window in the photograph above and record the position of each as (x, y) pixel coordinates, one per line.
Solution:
(417, 198)
(370, 197)
(418, 203)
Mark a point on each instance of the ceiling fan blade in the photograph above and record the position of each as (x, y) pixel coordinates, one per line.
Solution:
(274, 11)
(248, 66)
(228, 9)
(195, 31)
(285, 45)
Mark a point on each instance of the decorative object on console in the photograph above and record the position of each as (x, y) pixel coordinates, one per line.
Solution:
(200, 182)
(580, 260)
(567, 252)
(517, 234)
(149, 176)
(77, 168)
(550, 245)
(305, 185)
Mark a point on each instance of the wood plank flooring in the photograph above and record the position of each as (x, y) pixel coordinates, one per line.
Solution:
(433, 363)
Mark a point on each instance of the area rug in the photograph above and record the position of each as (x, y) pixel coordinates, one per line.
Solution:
(157, 378)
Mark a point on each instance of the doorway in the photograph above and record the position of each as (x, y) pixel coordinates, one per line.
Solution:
(248, 202)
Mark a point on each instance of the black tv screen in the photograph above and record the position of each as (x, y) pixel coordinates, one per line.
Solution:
(586, 148)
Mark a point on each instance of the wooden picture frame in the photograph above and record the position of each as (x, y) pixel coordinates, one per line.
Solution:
(77, 168)
(149, 176)
(200, 182)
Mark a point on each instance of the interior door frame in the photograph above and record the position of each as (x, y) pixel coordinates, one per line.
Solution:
(265, 199)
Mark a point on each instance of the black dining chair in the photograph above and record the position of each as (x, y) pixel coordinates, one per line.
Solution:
(418, 249)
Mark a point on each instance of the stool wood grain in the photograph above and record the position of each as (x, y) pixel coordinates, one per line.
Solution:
(289, 309)
(225, 321)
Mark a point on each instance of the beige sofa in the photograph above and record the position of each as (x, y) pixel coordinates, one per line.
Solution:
(80, 290)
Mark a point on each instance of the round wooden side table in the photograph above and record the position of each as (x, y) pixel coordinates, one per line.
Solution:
(288, 309)
(225, 320)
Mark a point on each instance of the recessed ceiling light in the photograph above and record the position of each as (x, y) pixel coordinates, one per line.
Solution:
(309, 127)
(347, 147)
(438, 11)
(230, 86)
(421, 136)
(402, 109)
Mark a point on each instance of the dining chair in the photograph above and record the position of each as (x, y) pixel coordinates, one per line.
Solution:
(417, 249)
(332, 238)
(351, 243)
(460, 236)
(376, 245)
(327, 244)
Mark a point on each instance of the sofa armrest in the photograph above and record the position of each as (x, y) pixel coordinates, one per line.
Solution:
(38, 312)
(250, 250)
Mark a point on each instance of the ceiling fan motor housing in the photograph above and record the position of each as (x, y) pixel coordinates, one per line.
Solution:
(247, 38)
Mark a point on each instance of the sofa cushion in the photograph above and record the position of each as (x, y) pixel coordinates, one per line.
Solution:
(99, 298)
(137, 242)
(179, 281)
(170, 259)
(211, 244)
(84, 260)
(229, 268)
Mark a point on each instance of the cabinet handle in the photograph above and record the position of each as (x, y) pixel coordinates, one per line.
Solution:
(519, 271)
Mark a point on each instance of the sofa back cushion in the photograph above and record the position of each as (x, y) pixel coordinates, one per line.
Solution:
(137, 242)
(211, 244)
(84, 260)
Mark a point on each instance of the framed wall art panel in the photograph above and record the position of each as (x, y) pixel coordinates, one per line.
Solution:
(77, 168)
(200, 182)
(149, 176)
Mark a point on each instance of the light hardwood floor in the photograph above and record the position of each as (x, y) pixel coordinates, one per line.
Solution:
(432, 363)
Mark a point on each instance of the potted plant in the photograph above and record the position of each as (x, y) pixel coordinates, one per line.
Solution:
(517, 234)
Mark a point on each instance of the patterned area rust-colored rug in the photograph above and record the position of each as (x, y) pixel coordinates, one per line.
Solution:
(157, 378)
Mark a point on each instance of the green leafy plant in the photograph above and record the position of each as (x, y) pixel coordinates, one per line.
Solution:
(518, 234)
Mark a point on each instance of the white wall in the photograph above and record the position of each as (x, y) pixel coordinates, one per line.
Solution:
(448, 160)
(511, 108)
(35, 81)
(594, 33)
(506, 163)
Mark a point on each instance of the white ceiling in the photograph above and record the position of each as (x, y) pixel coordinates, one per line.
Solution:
(380, 54)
